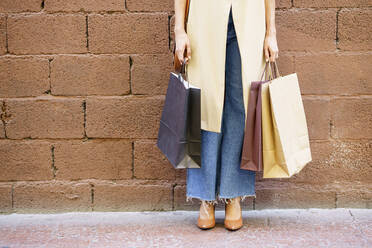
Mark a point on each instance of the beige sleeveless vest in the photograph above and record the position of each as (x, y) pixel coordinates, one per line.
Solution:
(207, 31)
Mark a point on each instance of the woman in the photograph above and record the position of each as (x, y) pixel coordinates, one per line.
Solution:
(225, 44)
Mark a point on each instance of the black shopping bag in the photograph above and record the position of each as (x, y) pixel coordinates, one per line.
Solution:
(179, 129)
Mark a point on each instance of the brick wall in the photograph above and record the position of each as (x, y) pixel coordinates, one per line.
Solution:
(82, 85)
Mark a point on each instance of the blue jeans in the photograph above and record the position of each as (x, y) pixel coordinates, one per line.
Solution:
(220, 176)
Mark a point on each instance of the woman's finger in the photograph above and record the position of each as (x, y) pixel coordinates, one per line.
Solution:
(271, 55)
(188, 47)
(266, 53)
(179, 52)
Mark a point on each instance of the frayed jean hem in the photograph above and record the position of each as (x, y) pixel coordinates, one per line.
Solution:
(218, 198)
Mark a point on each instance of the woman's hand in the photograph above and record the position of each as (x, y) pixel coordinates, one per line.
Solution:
(182, 46)
(271, 47)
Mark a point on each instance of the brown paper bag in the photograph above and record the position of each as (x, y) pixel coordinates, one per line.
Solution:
(252, 145)
(285, 139)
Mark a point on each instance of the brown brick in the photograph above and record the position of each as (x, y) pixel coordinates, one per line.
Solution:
(306, 30)
(317, 116)
(25, 160)
(285, 64)
(2, 35)
(150, 73)
(84, 5)
(45, 118)
(98, 159)
(124, 117)
(283, 3)
(153, 5)
(360, 198)
(337, 161)
(181, 176)
(128, 33)
(351, 117)
(334, 74)
(131, 197)
(45, 34)
(150, 163)
(21, 77)
(5, 198)
(331, 3)
(180, 202)
(44, 197)
(354, 29)
(292, 196)
(8, 6)
(90, 75)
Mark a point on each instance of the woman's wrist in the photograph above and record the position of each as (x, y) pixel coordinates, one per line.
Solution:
(270, 31)
(178, 30)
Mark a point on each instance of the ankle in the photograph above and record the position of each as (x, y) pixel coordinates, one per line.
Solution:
(208, 203)
(232, 200)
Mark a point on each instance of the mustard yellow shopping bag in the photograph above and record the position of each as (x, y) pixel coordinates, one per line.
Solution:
(285, 138)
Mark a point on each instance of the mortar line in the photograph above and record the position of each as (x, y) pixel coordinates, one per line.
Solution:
(149, 12)
(92, 196)
(12, 196)
(53, 167)
(154, 139)
(169, 33)
(330, 126)
(173, 204)
(132, 96)
(132, 169)
(6, 35)
(125, 5)
(337, 23)
(299, 53)
(49, 74)
(87, 32)
(85, 118)
(336, 200)
(130, 74)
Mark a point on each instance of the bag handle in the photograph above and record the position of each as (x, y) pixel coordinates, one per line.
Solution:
(182, 73)
(272, 74)
(276, 70)
(265, 71)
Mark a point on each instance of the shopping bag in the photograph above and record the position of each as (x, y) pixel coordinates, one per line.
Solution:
(251, 158)
(179, 131)
(285, 138)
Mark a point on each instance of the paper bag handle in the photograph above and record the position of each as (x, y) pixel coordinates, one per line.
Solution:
(182, 73)
(265, 72)
(272, 74)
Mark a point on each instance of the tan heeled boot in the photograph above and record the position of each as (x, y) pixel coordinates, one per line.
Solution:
(233, 214)
(206, 219)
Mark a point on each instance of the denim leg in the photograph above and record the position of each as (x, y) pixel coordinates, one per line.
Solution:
(234, 181)
(202, 182)
(220, 176)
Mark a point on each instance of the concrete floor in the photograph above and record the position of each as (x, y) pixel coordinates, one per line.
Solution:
(262, 228)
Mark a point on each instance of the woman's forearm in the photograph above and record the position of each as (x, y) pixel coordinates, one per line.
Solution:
(179, 12)
(270, 16)
(270, 43)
